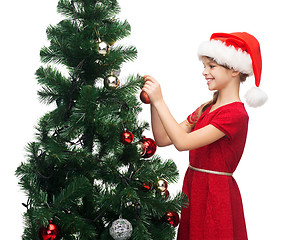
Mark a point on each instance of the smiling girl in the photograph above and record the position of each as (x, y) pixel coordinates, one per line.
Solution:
(215, 135)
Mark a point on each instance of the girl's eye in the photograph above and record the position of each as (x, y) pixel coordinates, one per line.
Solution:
(211, 66)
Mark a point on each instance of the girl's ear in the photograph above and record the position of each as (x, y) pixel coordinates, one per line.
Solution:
(235, 73)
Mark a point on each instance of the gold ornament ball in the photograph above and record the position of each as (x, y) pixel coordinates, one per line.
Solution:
(141, 149)
(111, 82)
(103, 48)
(162, 185)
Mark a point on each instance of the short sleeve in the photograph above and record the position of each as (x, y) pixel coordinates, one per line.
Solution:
(193, 118)
(231, 122)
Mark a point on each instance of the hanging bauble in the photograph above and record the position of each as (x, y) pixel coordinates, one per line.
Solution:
(52, 232)
(144, 97)
(126, 137)
(103, 47)
(121, 229)
(162, 185)
(111, 82)
(141, 149)
(147, 187)
(172, 218)
(150, 146)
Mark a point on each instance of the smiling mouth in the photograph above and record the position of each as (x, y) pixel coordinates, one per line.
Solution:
(209, 80)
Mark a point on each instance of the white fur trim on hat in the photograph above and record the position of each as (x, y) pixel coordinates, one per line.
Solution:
(255, 97)
(227, 55)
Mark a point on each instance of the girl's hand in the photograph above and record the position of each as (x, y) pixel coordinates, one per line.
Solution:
(152, 88)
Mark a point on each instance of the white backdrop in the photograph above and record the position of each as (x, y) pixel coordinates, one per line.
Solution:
(167, 34)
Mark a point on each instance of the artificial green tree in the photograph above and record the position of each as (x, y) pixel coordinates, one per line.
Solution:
(84, 171)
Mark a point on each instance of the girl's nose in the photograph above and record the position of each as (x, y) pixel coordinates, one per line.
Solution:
(205, 72)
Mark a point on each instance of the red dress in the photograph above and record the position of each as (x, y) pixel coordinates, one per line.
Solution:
(215, 210)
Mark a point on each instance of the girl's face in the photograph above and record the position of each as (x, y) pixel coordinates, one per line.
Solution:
(217, 76)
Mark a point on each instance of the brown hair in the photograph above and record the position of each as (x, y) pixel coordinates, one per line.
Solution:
(243, 77)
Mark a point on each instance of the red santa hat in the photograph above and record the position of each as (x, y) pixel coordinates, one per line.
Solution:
(240, 51)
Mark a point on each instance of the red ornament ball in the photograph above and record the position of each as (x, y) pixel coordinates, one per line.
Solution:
(144, 97)
(52, 232)
(172, 218)
(127, 137)
(147, 187)
(150, 146)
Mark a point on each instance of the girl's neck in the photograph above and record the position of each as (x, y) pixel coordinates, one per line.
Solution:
(227, 96)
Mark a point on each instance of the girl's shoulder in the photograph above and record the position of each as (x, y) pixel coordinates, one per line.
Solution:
(231, 110)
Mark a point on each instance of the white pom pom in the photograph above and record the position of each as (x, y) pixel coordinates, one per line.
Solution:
(255, 97)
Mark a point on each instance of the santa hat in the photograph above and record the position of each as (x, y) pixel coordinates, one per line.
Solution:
(240, 51)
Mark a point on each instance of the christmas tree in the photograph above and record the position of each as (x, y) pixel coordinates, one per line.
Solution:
(90, 173)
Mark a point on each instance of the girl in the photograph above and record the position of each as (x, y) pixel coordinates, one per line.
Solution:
(215, 134)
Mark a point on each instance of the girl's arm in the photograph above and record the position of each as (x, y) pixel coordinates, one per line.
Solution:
(181, 139)
(160, 135)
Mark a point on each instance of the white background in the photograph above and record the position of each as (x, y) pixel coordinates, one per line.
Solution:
(167, 34)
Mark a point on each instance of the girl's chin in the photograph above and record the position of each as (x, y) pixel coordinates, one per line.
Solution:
(211, 88)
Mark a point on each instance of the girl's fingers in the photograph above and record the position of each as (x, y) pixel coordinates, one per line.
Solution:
(146, 78)
(149, 78)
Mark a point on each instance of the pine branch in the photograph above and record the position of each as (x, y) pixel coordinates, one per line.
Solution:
(54, 86)
(141, 232)
(78, 188)
(64, 7)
